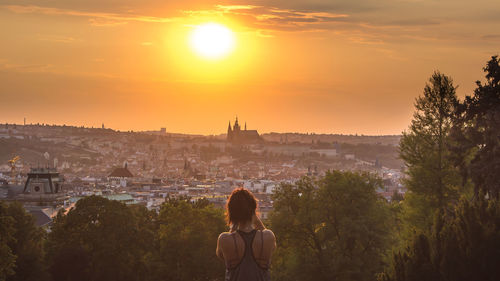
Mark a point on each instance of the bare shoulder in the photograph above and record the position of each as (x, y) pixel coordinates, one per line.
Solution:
(224, 236)
(268, 232)
(269, 240)
(268, 235)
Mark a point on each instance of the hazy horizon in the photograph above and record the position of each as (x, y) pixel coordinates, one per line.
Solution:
(28, 123)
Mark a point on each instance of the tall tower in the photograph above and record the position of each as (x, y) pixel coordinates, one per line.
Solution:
(229, 132)
(245, 125)
(236, 125)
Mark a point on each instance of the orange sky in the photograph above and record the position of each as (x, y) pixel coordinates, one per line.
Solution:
(298, 66)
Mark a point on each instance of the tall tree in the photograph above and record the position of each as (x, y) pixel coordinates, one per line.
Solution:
(186, 240)
(7, 258)
(99, 239)
(476, 133)
(335, 228)
(432, 179)
(27, 245)
(461, 247)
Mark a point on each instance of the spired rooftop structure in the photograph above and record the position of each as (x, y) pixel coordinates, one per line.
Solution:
(238, 136)
(42, 195)
(43, 187)
(42, 181)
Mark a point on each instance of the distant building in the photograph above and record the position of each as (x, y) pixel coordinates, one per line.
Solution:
(42, 181)
(237, 135)
(121, 175)
(349, 156)
(43, 187)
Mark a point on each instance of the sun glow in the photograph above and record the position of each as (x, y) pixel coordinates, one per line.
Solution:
(212, 40)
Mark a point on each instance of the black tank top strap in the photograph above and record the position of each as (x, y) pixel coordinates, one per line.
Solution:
(248, 237)
(235, 244)
(248, 269)
(261, 243)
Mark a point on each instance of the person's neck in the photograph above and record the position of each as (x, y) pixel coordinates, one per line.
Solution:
(246, 227)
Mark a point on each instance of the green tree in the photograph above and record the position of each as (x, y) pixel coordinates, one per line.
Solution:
(27, 245)
(432, 179)
(461, 247)
(476, 133)
(99, 239)
(7, 258)
(335, 228)
(186, 240)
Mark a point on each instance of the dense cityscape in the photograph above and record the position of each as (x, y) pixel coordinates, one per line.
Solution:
(147, 167)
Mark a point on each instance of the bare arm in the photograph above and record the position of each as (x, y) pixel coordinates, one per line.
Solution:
(218, 251)
(273, 239)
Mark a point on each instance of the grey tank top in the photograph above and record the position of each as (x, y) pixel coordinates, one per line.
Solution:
(247, 269)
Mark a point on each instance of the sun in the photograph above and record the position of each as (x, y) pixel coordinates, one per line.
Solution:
(212, 40)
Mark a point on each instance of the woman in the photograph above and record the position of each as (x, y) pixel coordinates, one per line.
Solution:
(247, 248)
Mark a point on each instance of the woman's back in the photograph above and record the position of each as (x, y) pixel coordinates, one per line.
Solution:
(249, 262)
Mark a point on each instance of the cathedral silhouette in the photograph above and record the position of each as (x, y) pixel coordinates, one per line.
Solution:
(237, 135)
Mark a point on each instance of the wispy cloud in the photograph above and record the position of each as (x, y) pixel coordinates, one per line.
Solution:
(25, 68)
(491, 37)
(105, 22)
(269, 18)
(57, 39)
(229, 8)
(102, 19)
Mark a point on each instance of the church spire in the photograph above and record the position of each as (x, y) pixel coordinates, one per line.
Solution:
(236, 127)
(245, 125)
(229, 132)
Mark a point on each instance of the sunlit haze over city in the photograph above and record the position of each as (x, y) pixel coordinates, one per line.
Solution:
(191, 66)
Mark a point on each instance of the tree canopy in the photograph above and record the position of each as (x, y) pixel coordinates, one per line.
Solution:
(334, 228)
(461, 248)
(186, 240)
(476, 133)
(21, 244)
(462, 241)
(98, 239)
(27, 245)
(432, 180)
(7, 258)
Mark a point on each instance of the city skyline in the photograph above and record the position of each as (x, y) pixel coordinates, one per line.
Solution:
(296, 66)
(166, 131)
